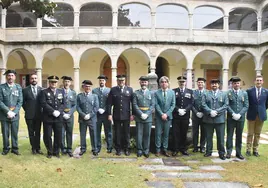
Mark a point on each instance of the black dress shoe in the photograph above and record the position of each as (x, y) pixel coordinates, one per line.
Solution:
(139, 154)
(185, 153)
(5, 152)
(82, 153)
(95, 153)
(146, 155)
(70, 154)
(49, 156)
(127, 153)
(207, 155)
(228, 156)
(248, 153)
(118, 153)
(175, 153)
(15, 152)
(64, 152)
(195, 150)
(202, 150)
(57, 155)
(239, 156)
(34, 152)
(256, 154)
(109, 150)
(39, 152)
(157, 154)
(165, 153)
(222, 157)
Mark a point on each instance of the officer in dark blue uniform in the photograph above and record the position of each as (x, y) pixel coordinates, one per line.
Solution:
(102, 115)
(52, 100)
(181, 116)
(120, 98)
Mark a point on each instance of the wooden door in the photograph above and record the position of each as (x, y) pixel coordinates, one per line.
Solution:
(121, 69)
(211, 74)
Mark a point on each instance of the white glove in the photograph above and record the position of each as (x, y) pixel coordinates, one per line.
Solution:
(87, 117)
(101, 111)
(56, 113)
(199, 114)
(213, 113)
(144, 116)
(236, 116)
(10, 114)
(182, 112)
(66, 116)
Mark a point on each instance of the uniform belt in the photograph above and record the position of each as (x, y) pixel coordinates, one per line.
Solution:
(67, 110)
(144, 108)
(12, 108)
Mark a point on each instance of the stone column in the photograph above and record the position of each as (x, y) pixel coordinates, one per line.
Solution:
(76, 25)
(225, 79)
(153, 25)
(114, 73)
(39, 28)
(39, 76)
(226, 27)
(3, 21)
(115, 24)
(259, 25)
(76, 81)
(189, 83)
(3, 77)
(191, 25)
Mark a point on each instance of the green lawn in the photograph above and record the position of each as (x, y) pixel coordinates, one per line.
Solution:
(38, 171)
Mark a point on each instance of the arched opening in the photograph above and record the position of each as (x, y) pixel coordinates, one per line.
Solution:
(208, 64)
(24, 63)
(265, 18)
(176, 15)
(96, 14)
(134, 15)
(207, 17)
(243, 19)
(63, 16)
(57, 62)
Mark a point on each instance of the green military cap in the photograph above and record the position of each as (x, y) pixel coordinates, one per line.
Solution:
(235, 79)
(144, 78)
(53, 78)
(215, 80)
(87, 82)
(103, 77)
(121, 77)
(10, 71)
(182, 78)
(67, 78)
(201, 79)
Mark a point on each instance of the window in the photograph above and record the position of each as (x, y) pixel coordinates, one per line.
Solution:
(243, 19)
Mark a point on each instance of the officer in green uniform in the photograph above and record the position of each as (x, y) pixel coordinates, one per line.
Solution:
(10, 104)
(214, 104)
(87, 108)
(143, 104)
(102, 115)
(238, 106)
(68, 117)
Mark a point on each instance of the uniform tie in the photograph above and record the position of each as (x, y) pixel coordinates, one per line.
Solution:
(200, 93)
(214, 93)
(101, 89)
(165, 97)
(34, 92)
(259, 93)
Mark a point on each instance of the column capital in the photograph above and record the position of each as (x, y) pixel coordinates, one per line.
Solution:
(153, 13)
(4, 12)
(259, 18)
(115, 12)
(76, 68)
(190, 14)
(76, 13)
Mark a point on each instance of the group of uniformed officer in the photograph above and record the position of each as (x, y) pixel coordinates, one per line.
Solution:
(120, 105)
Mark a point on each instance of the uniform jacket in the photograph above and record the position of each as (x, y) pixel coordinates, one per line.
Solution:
(219, 103)
(162, 106)
(70, 104)
(238, 104)
(103, 97)
(121, 103)
(257, 107)
(51, 102)
(183, 101)
(197, 104)
(141, 101)
(87, 105)
(31, 105)
(10, 99)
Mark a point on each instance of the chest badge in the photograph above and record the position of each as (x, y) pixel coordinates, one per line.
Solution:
(48, 94)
